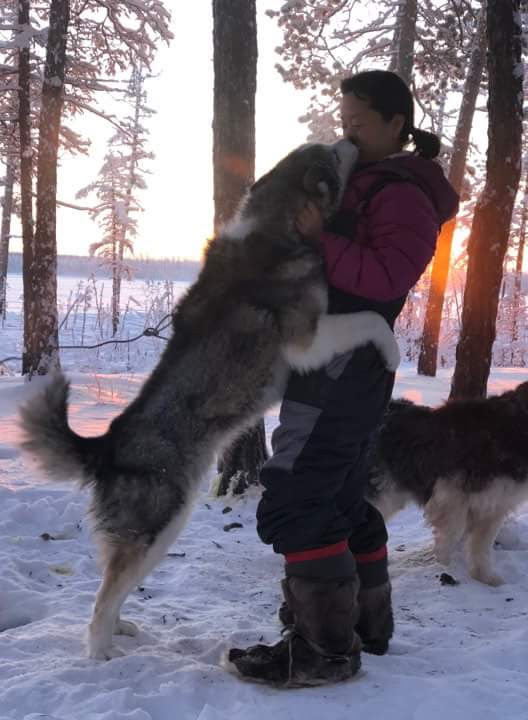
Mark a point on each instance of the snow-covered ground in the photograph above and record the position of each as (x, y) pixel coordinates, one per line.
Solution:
(459, 651)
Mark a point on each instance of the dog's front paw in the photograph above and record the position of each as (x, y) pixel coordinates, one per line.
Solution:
(391, 355)
(383, 338)
(388, 346)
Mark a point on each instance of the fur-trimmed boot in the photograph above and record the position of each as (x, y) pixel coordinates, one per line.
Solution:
(319, 647)
(375, 624)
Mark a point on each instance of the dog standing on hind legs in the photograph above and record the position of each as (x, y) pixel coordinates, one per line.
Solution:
(256, 310)
(465, 463)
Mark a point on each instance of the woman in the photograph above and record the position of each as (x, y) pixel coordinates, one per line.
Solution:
(337, 590)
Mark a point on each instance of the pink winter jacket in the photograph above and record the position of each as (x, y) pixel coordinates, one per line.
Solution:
(395, 237)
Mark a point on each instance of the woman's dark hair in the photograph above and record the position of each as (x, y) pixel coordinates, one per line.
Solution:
(387, 93)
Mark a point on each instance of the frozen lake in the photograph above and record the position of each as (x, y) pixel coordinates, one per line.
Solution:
(136, 291)
(85, 319)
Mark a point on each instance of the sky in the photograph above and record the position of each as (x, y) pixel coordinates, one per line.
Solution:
(178, 206)
(178, 202)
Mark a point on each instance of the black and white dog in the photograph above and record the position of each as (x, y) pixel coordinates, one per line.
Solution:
(465, 463)
(257, 310)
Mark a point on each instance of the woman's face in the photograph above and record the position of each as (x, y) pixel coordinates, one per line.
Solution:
(375, 138)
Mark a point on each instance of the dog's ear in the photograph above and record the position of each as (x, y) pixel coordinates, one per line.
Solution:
(320, 182)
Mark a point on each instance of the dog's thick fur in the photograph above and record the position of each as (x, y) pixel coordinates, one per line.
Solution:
(465, 463)
(256, 310)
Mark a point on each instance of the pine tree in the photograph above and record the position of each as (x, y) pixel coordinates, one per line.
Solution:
(113, 215)
(8, 138)
(41, 351)
(235, 73)
(431, 332)
(104, 38)
(120, 178)
(5, 228)
(404, 36)
(325, 41)
(517, 304)
(492, 219)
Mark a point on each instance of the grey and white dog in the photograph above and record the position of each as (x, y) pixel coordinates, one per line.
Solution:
(465, 463)
(256, 310)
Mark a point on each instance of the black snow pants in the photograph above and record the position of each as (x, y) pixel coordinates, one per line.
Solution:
(314, 482)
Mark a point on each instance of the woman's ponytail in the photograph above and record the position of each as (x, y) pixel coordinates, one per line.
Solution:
(427, 144)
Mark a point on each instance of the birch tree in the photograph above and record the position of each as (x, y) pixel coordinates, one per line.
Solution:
(492, 219)
(235, 78)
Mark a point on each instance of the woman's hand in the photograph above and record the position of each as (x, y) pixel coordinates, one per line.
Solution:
(309, 221)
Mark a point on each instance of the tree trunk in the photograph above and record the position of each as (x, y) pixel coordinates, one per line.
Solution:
(116, 297)
(42, 352)
(433, 315)
(517, 281)
(439, 129)
(116, 287)
(116, 230)
(26, 181)
(491, 223)
(235, 84)
(403, 45)
(240, 464)
(5, 231)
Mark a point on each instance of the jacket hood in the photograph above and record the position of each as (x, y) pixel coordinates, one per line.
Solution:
(429, 176)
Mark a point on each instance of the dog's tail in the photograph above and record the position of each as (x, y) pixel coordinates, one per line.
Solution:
(62, 453)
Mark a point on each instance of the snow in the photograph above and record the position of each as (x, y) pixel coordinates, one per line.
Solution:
(458, 650)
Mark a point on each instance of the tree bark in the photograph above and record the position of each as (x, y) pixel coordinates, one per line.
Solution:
(26, 181)
(235, 84)
(240, 464)
(116, 283)
(427, 359)
(5, 231)
(405, 33)
(517, 281)
(491, 223)
(41, 353)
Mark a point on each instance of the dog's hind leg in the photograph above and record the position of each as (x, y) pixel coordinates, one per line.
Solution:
(482, 531)
(124, 568)
(446, 512)
(125, 565)
(386, 497)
